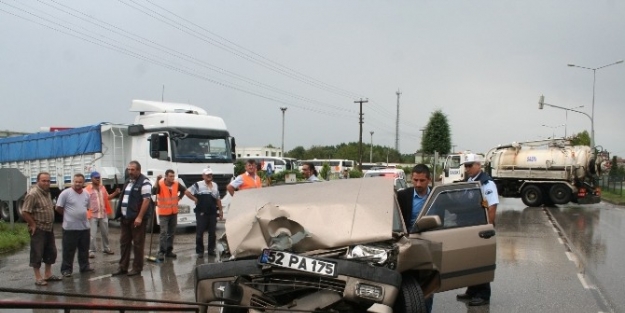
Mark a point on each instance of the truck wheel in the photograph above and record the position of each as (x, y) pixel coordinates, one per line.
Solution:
(532, 196)
(410, 298)
(4, 211)
(560, 194)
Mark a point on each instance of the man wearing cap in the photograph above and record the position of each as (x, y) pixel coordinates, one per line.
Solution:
(207, 208)
(168, 192)
(99, 209)
(247, 180)
(480, 294)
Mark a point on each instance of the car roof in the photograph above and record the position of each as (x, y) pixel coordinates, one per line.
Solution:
(332, 214)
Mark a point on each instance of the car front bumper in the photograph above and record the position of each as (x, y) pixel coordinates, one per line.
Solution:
(237, 282)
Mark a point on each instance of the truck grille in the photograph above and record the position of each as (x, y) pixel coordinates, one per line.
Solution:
(222, 181)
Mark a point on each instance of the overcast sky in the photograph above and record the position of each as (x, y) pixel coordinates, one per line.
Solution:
(483, 63)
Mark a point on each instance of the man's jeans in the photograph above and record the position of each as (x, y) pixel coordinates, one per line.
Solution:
(167, 224)
(103, 224)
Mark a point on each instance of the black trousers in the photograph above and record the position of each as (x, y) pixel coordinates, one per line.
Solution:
(205, 221)
(72, 240)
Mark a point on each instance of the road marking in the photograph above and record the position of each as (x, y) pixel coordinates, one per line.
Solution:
(583, 281)
(570, 256)
(560, 241)
(100, 277)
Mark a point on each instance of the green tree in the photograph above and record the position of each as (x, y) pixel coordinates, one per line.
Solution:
(239, 168)
(614, 170)
(581, 139)
(297, 152)
(437, 135)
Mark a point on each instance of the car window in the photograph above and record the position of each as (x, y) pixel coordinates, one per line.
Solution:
(398, 224)
(400, 183)
(457, 205)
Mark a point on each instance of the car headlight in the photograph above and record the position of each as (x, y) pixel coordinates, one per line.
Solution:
(374, 254)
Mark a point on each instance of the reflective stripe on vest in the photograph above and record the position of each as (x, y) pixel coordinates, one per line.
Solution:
(167, 199)
(249, 182)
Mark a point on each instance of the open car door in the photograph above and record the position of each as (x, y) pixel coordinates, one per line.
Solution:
(466, 239)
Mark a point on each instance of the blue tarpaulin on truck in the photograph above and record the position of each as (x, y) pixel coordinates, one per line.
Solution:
(64, 143)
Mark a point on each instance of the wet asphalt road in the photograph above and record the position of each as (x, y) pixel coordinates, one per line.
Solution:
(566, 259)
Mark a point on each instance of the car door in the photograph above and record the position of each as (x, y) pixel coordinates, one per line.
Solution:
(466, 240)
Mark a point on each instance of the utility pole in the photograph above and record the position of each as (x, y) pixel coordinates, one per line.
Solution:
(283, 111)
(398, 93)
(163, 94)
(371, 151)
(360, 133)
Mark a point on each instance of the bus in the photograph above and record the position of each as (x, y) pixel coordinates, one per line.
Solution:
(277, 164)
(337, 166)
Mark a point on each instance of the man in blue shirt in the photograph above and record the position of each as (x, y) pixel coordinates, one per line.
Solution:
(411, 201)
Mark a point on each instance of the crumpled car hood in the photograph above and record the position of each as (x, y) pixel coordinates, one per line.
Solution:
(310, 216)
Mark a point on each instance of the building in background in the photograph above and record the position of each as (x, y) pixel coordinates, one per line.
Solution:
(268, 151)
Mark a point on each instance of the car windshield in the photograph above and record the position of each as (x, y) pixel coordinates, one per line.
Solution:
(195, 149)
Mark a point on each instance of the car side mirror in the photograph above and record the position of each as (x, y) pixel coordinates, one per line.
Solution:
(426, 223)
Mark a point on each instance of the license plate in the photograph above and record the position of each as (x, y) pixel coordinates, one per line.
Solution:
(297, 262)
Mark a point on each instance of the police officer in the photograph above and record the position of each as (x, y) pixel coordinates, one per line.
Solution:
(207, 208)
(480, 294)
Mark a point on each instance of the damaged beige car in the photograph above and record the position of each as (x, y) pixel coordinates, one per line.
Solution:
(342, 246)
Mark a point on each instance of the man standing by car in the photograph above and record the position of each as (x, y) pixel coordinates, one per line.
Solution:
(207, 208)
(73, 204)
(168, 192)
(411, 201)
(247, 180)
(480, 294)
(38, 212)
(132, 209)
(99, 210)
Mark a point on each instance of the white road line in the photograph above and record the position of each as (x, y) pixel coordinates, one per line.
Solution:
(583, 281)
(560, 241)
(555, 230)
(100, 277)
(570, 256)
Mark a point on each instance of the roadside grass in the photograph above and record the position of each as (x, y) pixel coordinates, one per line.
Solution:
(613, 197)
(13, 239)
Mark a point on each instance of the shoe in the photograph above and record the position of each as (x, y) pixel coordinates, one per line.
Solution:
(464, 296)
(119, 272)
(91, 254)
(53, 278)
(134, 273)
(478, 301)
(108, 252)
(160, 256)
(200, 255)
(212, 253)
(89, 270)
(67, 274)
(171, 255)
(41, 282)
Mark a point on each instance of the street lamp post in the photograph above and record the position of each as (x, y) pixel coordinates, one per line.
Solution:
(283, 109)
(541, 104)
(566, 118)
(553, 136)
(371, 150)
(594, 77)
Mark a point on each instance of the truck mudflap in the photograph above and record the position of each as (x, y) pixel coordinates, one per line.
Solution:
(247, 283)
(589, 199)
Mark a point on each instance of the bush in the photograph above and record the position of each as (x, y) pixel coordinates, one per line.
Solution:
(355, 174)
(12, 239)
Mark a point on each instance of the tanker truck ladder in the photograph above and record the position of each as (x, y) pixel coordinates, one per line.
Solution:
(118, 149)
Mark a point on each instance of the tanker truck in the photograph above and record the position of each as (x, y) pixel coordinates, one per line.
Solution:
(546, 172)
(175, 136)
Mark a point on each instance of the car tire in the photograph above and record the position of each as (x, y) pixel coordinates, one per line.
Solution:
(410, 298)
(532, 196)
(560, 194)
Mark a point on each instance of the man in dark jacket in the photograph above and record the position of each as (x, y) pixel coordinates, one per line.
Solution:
(133, 210)
(411, 201)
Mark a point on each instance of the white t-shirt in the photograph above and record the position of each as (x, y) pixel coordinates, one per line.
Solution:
(75, 207)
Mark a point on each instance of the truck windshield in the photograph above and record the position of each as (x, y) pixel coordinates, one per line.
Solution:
(201, 149)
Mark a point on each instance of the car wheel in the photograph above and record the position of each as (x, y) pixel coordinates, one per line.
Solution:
(4, 211)
(560, 194)
(410, 298)
(532, 196)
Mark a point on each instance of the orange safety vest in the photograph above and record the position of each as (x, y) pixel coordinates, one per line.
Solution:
(249, 182)
(167, 202)
(105, 199)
